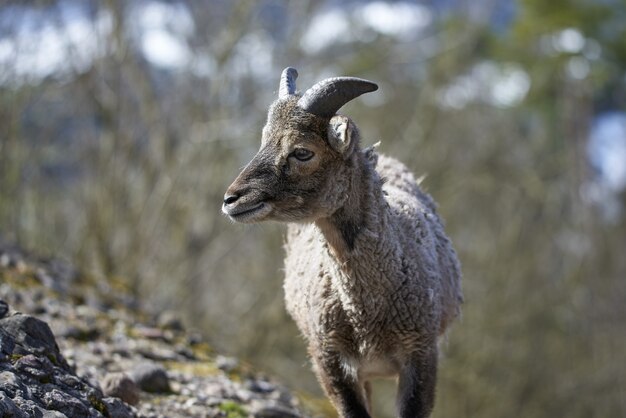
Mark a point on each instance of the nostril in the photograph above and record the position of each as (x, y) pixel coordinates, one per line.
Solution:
(230, 198)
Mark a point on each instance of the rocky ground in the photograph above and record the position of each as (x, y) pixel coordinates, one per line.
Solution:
(70, 347)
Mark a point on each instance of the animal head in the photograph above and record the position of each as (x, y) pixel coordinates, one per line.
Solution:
(301, 172)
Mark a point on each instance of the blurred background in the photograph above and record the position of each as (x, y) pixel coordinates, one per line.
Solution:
(123, 122)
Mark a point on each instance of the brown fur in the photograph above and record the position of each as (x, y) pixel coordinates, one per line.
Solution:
(371, 278)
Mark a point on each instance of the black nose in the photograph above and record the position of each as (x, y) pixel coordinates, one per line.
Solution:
(230, 198)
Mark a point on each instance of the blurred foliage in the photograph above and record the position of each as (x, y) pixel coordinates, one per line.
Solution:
(122, 167)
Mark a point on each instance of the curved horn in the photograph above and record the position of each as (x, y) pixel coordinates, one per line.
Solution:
(328, 96)
(287, 82)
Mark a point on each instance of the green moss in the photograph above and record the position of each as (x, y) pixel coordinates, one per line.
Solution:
(202, 350)
(233, 410)
(98, 405)
(20, 279)
(15, 357)
(53, 359)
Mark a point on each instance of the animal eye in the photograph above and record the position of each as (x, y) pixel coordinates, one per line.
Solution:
(302, 154)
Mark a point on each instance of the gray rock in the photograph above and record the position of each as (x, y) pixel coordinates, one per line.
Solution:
(80, 332)
(26, 406)
(39, 368)
(260, 386)
(63, 402)
(4, 260)
(98, 335)
(119, 385)
(4, 308)
(117, 408)
(11, 385)
(32, 336)
(53, 414)
(169, 320)
(8, 408)
(274, 411)
(10, 258)
(226, 364)
(151, 377)
(70, 381)
(7, 345)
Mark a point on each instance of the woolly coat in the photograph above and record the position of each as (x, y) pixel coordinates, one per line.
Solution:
(394, 292)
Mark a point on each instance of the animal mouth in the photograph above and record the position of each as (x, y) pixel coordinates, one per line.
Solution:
(247, 212)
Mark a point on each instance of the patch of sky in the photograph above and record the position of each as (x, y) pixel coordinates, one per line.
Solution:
(60, 41)
(403, 21)
(44, 42)
(607, 155)
(496, 84)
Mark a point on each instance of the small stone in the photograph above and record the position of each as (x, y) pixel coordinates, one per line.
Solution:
(28, 407)
(226, 364)
(151, 377)
(70, 381)
(39, 368)
(275, 411)
(11, 384)
(191, 402)
(7, 345)
(119, 385)
(32, 336)
(80, 332)
(157, 353)
(282, 395)
(213, 401)
(194, 338)
(65, 403)
(8, 408)
(151, 333)
(185, 352)
(117, 408)
(4, 309)
(260, 386)
(244, 396)
(20, 266)
(53, 414)
(169, 320)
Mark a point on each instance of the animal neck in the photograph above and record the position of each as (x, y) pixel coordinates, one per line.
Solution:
(345, 228)
(359, 238)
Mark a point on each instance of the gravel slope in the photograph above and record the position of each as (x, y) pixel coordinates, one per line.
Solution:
(70, 347)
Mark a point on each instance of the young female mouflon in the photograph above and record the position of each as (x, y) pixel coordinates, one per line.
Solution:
(371, 278)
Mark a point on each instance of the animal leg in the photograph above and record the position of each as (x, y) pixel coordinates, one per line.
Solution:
(343, 390)
(416, 389)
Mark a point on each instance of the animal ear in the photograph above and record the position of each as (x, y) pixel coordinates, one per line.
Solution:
(340, 131)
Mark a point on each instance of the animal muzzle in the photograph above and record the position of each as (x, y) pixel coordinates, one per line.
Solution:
(245, 205)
